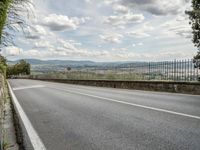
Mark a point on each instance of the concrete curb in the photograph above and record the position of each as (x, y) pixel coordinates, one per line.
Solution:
(29, 138)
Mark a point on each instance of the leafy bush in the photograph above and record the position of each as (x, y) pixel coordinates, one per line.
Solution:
(3, 69)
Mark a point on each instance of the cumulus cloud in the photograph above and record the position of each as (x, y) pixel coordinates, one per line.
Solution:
(147, 27)
(157, 7)
(112, 38)
(88, 1)
(32, 53)
(35, 32)
(32, 36)
(124, 19)
(61, 23)
(42, 44)
(120, 9)
(40, 30)
(182, 31)
(130, 17)
(178, 26)
(11, 51)
(137, 44)
(134, 45)
(140, 44)
(114, 20)
(138, 34)
(110, 2)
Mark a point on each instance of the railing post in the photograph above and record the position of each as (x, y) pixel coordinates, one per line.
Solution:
(149, 70)
(198, 67)
(175, 69)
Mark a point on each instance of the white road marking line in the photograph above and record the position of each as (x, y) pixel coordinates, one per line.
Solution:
(28, 87)
(34, 138)
(133, 104)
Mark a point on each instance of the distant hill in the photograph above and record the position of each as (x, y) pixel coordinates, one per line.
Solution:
(53, 62)
(60, 65)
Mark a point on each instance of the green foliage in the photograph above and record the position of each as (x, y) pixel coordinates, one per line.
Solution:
(3, 69)
(10, 16)
(4, 5)
(69, 68)
(21, 68)
(3, 65)
(3, 60)
(194, 16)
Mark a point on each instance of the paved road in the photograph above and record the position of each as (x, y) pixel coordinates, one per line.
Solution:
(73, 117)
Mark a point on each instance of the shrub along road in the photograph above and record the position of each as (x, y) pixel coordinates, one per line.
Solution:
(81, 117)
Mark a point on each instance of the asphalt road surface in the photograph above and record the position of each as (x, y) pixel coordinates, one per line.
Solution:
(75, 117)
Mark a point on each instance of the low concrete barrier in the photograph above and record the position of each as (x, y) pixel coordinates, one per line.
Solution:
(162, 86)
(27, 137)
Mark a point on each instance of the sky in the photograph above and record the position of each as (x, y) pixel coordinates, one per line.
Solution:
(105, 30)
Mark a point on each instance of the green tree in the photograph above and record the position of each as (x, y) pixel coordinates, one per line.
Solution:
(24, 67)
(3, 60)
(69, 68)
(194, 16)
(21, 68)
(3, 65)
(9, 71)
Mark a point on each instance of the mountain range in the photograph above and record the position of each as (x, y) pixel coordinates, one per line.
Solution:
(60, 65)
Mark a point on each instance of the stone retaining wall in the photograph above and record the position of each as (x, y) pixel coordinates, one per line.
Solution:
(162, 86)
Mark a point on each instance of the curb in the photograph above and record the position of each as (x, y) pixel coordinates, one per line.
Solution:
(30, 138)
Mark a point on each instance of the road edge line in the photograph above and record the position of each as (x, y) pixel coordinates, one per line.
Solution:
(32, 134)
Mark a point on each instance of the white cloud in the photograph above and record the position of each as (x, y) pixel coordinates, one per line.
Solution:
(40, 30)
(112, 38)
(130, 17)
(178, 26)
(32, 36)
(138, 34)
(140, 44)
(88, 1)
(124, 19)
(116, 50)
(36, 32)
(147, 27)
(114, 20)
(11, 51)
(182, 31)
(137, 44)
(120, 8)
(42, 44)
(69, 46)
(32, 53)
(110, 2)
(158, 7)
(61, 23)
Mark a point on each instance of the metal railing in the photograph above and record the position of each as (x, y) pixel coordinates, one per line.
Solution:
(176, 70)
